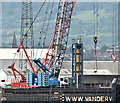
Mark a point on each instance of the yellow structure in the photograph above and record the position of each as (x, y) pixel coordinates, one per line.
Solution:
(77, 60)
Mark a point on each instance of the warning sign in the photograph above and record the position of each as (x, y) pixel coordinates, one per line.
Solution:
(114, 57)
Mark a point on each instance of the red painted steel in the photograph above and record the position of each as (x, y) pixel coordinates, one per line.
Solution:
(23, 84)
(69, 12)
(12, 66)
(15, 83)
(21, 44)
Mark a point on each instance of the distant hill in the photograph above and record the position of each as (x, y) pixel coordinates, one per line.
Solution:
(82, 24)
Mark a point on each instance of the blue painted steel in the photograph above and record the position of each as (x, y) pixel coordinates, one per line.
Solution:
(40, 79)
(54, 81)
(30, 79)
(49, 62)
(39, 65)
(46, 80)
(38, 61)
(53, 66)
(74, 71)
(75, 68)
(73, 80)
(82, 65)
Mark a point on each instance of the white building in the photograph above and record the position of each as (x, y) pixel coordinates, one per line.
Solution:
(105, 68)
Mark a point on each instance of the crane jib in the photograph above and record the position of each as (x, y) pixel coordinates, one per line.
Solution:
(59, 41)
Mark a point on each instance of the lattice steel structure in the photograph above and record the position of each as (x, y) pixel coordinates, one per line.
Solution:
(26, 33)
(63, 21)
(60, 36)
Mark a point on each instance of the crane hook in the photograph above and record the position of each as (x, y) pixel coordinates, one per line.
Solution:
(95, 39)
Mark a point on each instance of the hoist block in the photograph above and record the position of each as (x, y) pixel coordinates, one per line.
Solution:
(95, 39)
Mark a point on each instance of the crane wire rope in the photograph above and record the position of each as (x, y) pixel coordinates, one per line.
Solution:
(51, 11)
(96, 32)
(31, 26)
(43, 27)
(42, 30)
(48, 21)
(48, 25)
(115, 27)
(114, 33)
(112, 28)
(35, 18)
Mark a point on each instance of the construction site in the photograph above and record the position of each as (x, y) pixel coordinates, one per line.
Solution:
(30, 73)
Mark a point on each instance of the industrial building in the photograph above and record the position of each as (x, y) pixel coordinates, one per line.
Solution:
(42, 75)
(105, 74)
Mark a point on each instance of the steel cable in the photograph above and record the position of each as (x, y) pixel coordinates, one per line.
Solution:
(32, 24)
